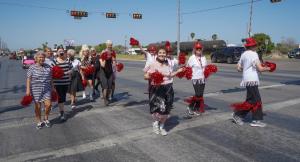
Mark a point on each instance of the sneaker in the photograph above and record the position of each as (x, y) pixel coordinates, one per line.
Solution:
(163, 131)
(237, 119)
(63, 118)
(39, 125)
(257, 123)
(91, 98)
(155, 127)
(47, 123)
(73, 106)
(189, 111)
(83, 96)
(197, 113)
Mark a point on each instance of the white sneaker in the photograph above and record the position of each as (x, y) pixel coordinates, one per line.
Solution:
(83, 96)
(155, 127)
(237, 119)
(197, 113)
(163, 131)
(257, 123)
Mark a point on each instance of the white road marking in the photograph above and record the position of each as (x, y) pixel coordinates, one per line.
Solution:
(124, 137)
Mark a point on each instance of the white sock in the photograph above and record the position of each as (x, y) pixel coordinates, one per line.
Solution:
(161, 126)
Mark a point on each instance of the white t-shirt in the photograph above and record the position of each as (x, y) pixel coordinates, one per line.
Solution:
(198, 65)
(76, 64)
(248, 62)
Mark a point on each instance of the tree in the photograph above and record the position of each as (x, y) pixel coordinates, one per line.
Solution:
(286, 45)
(45, 45)
(264, 42)
(214, 37)
(192, 35)
(100, 47)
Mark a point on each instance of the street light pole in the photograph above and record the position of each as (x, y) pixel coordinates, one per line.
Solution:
(250, 23)
(178, 27)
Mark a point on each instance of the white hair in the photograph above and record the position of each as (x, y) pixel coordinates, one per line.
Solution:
(84, 47)
(71, 52)
(109, 42)
(39, 53)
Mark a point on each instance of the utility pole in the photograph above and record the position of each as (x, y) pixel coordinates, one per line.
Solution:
(178, 27)
(250, 23)
(125, 44)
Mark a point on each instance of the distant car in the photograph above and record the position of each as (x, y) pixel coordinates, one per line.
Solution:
(295, 53)
(227, 54)
(12, 56)
(28, 61)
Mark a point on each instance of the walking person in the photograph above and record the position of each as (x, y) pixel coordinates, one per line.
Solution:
(86, 63)
(161, 94)
(250, 65)
(198, 63)
(39, 84)
(76, 77)
(107, 62)
(62, 84)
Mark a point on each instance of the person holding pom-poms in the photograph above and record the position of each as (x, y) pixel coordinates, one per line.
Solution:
(250, 65)
(39, 86)
(198, 63)
(160, 76)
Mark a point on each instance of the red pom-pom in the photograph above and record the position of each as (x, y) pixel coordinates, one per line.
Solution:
(119, 66)
(57, 72)
(113, 54)
(188, 73)
(157, 78)
(246, 106)
(26, 100)
(104, 56)
(84, 83)
(134, 42)
(167, 43)
(210, 69)
(271, 65)
(193, 99)
(89, 70)
(54, 96)
(181, 58)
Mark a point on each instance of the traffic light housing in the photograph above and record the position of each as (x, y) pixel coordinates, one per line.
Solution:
(111, 15)
(79, 13)
(137, 16)
(275, 1)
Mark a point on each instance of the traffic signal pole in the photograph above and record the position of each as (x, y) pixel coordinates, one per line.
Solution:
(178, 27)
(250, 23)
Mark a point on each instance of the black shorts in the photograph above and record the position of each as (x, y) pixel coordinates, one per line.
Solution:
(62, 92)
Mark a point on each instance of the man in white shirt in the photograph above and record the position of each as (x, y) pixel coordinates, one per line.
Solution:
(250, 65)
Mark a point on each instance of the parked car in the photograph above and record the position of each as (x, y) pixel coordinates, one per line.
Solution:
(29, 60)
(227, 54)
(295, 53)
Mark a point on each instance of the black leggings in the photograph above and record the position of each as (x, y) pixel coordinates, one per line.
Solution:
(62, 92)
(253, 97)
(199, 90)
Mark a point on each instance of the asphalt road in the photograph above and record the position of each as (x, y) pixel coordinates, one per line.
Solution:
(123, 131)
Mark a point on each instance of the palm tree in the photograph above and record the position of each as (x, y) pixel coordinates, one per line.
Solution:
(214, 37)
(192, 35)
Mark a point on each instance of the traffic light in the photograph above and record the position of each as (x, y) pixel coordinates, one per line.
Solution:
(275, 1)
(79, 13)
(137, 16)
(111, 15)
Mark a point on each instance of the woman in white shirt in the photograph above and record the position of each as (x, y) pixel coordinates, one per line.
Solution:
(76, 77)
(198, 63)
(250, 64)
(161, 95)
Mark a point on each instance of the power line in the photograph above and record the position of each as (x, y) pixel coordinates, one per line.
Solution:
(32, 6)
(218, 8)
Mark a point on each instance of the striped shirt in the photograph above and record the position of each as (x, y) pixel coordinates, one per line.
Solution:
(66, 66)
(40, 85)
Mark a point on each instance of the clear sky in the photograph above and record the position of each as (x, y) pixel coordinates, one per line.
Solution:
(29, 27)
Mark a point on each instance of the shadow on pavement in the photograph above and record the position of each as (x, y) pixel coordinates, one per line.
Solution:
(293, 82)
(135, 103)
(172, 122)
(15, 89)
(71, 114)
(11, 108)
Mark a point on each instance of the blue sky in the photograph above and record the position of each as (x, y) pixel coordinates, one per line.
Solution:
(29, 27)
